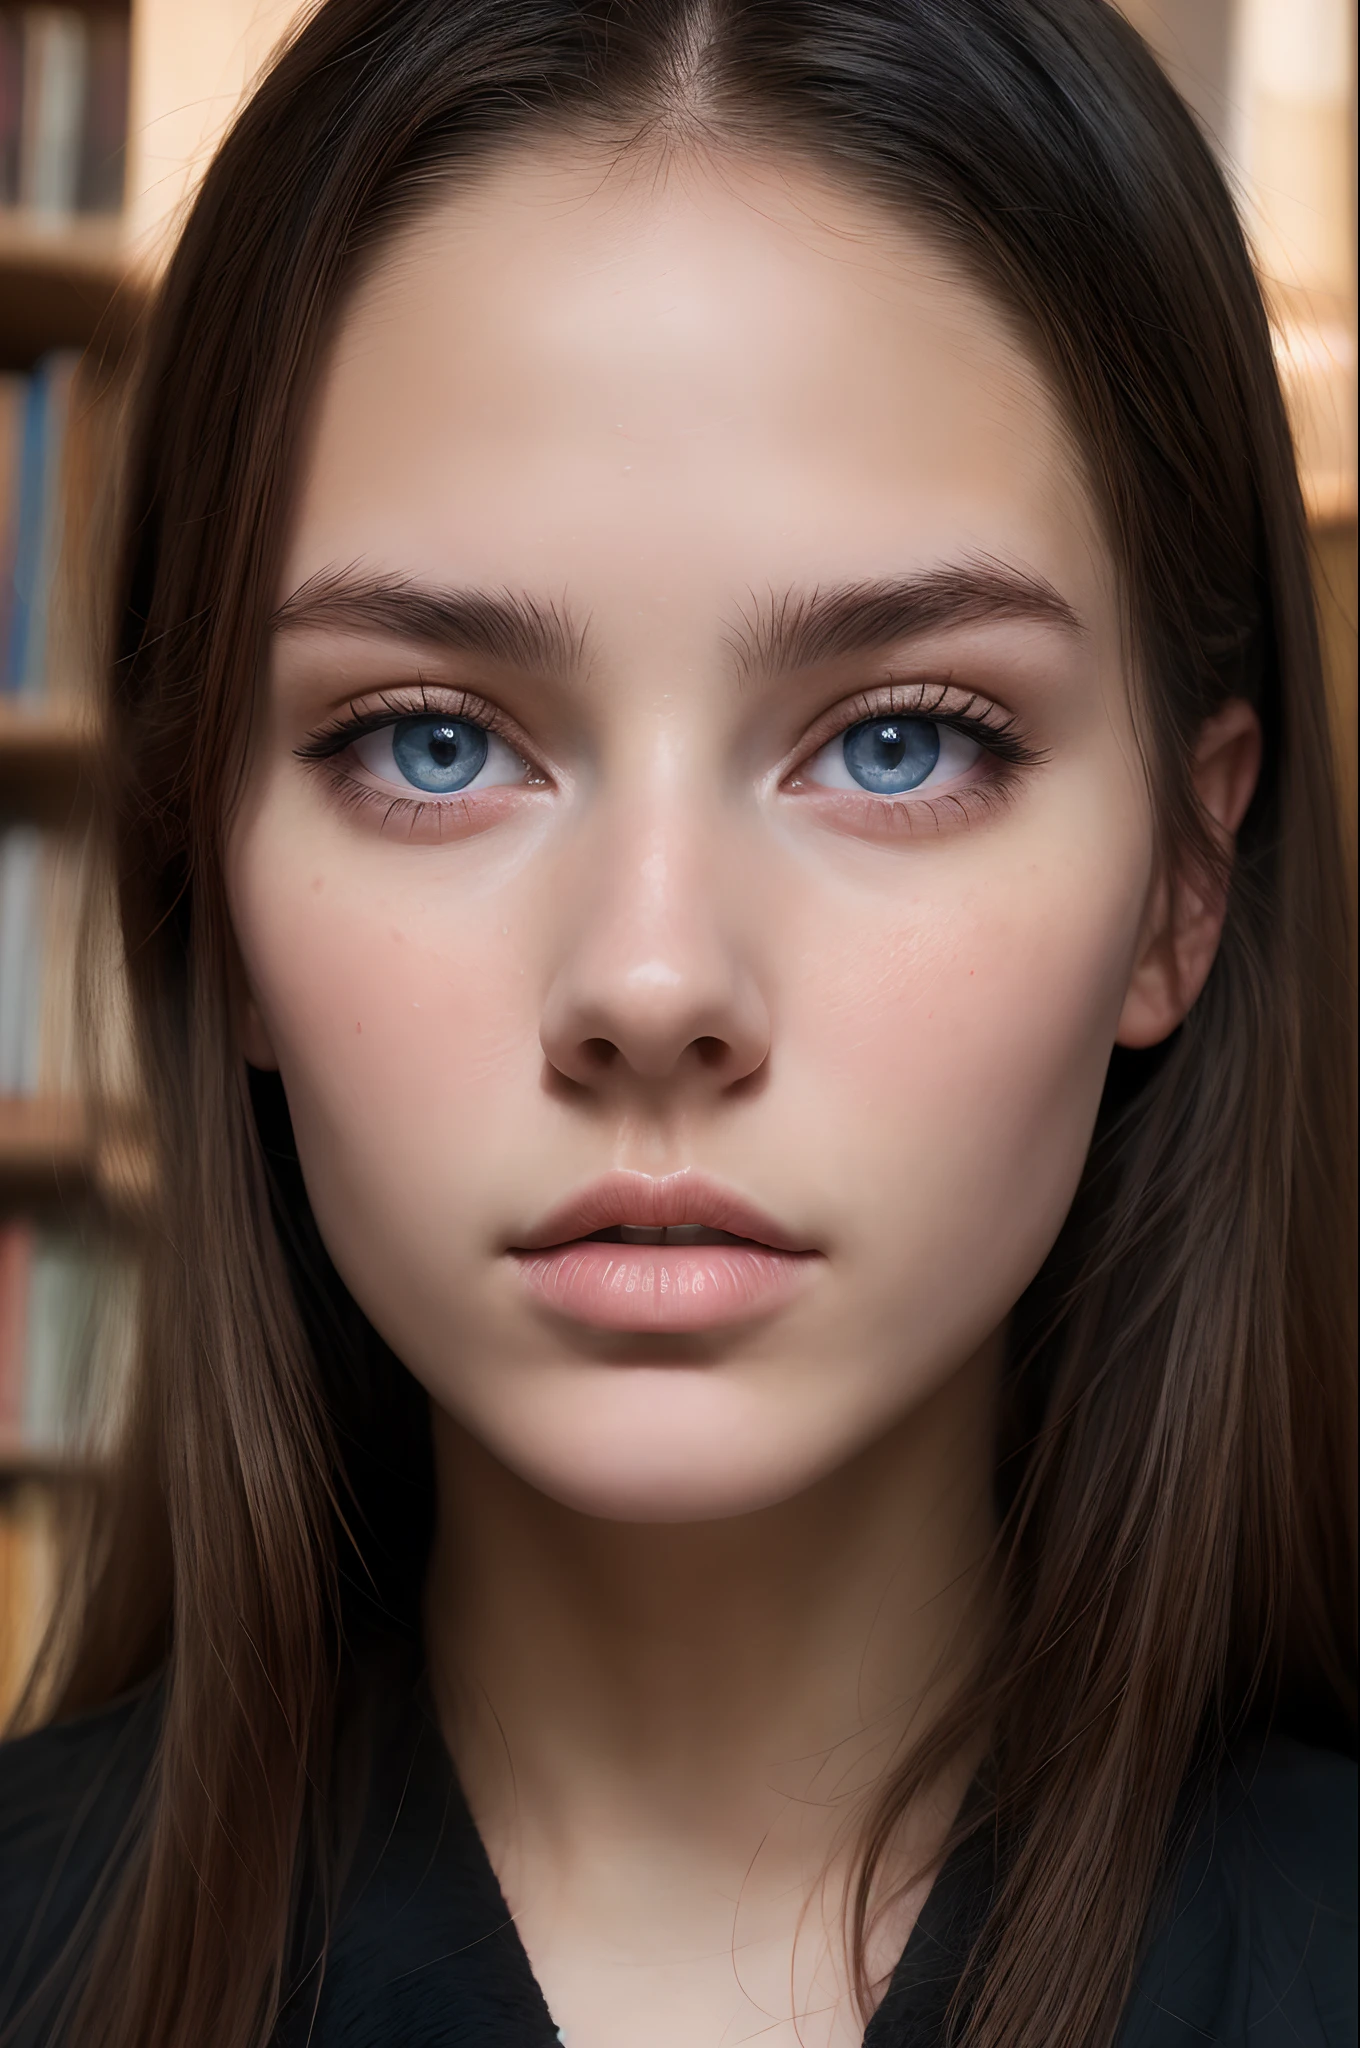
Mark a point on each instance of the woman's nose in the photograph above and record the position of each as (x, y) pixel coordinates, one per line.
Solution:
(655, 984)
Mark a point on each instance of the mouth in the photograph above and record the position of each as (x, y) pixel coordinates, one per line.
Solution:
(667, 1233)
(676, 1254)
(675, 1210)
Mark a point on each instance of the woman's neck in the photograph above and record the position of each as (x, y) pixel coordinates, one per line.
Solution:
(710, 1695)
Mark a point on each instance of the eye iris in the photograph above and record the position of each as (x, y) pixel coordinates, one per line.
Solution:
(890, 755)
(438, 755)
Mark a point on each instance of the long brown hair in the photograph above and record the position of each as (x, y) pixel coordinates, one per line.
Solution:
(1177, 1552)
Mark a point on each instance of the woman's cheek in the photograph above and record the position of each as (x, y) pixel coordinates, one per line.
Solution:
(954, 1064)
(393, 1011)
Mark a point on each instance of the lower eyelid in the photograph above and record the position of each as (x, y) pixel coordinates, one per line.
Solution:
(863, 816)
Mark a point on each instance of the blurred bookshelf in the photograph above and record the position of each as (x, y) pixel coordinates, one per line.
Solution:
(69, 1192)
(109, 110)
(1273, 85)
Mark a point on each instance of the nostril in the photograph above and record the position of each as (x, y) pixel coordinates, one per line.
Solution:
(600, 1052)
(711, 1051)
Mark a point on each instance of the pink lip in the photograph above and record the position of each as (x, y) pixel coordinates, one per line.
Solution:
(660, 1287)
(641, 1198)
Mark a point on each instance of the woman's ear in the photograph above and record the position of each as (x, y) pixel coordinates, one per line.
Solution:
(1186, 910)
(252, 1033)
(254, 1036)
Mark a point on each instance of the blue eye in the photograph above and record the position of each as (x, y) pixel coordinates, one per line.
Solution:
(438, 755)
(891, 755)
(894, 756)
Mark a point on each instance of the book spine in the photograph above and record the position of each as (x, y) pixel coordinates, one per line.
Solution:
(26, 1587)
(56, 373)
(20, 959)
(104, 140)
(11, 108)
(55, 53)
(13, 396)
(16, 1258)
(61, 1310)
(60, 913)
(28, 528)
(36, 497)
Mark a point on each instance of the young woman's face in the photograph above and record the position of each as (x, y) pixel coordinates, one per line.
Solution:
(698, 790)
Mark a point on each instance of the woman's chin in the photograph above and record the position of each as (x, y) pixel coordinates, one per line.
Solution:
(667, 1497)
(670, 1466)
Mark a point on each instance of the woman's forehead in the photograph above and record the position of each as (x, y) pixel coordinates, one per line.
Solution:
(741, 372)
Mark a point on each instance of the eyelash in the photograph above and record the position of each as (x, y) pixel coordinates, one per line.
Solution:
(975, 717)
(333, 739)
(324, 748)
(997, 734)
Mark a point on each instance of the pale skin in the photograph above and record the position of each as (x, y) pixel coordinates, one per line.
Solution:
(692, 1591)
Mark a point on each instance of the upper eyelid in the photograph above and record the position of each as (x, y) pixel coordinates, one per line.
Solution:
(924, 699)
(434, 700)
(414, 701)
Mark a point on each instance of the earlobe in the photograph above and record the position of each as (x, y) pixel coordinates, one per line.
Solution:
(254, 1036)
(252, 1033)
(1185, 913)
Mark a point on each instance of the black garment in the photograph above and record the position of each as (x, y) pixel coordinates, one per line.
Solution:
(1258, 1949)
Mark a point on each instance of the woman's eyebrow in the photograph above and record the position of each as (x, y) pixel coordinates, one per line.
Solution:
(795, 629)
(503, 625)
(801, 628)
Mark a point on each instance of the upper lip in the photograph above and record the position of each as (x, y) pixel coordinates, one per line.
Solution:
(641, 1198)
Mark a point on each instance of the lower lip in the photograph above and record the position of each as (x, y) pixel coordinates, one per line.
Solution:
(663, 1287)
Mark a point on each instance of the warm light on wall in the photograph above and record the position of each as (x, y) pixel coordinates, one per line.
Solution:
(1292, 134)
(193, 61)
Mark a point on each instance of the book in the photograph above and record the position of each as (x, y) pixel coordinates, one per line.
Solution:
(16, 1255)
(40, 927)
(26, 488)
(64, 1331)
(21, 951)
(37, 442)
(55, 55)
(59, 1341)
(57, 373)
(11, 101)
(27, 1585)
(56, 1070)
(64, 74)
(103, 148)
(13, 398)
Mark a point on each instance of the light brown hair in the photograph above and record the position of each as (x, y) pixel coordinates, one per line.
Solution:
(1178, 1541)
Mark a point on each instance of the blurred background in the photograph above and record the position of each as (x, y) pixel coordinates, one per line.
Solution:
(108, 112)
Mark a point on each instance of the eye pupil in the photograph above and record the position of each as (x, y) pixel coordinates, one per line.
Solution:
(438, 755)
(890, 755)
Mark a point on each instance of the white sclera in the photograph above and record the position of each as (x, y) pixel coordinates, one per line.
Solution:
(501, 766)
(829, 770)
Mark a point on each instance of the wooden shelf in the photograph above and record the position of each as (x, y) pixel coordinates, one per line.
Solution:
(60, 284)
(75, 245)
(42, 1143)
(23, 1464)
(49, 1154)
(44, 759)
(1333, 505)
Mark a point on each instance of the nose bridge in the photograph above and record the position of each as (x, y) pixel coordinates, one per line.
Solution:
(660, 869)
(655, 974)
